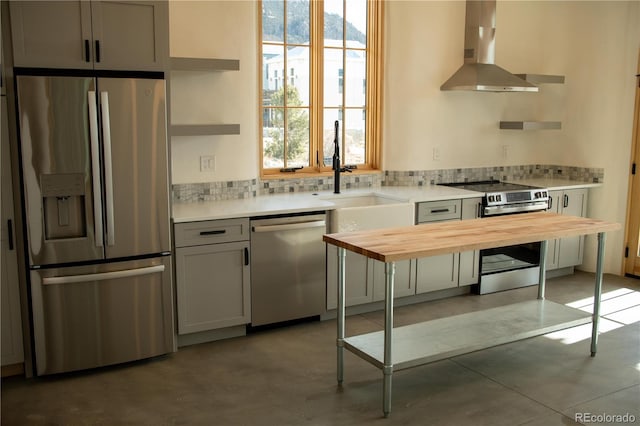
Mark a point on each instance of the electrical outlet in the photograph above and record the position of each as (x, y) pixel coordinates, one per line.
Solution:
(436, 154)
(505, 151)
(208, 163)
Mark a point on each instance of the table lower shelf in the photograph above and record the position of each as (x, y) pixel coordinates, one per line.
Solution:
(430, 341)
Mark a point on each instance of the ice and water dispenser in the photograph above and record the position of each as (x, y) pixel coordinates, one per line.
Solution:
(63, 202)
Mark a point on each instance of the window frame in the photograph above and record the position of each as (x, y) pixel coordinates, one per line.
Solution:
(373, 96)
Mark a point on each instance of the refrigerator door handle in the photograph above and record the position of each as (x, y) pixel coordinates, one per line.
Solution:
(108, 166)
(70, 279)
(95, 169)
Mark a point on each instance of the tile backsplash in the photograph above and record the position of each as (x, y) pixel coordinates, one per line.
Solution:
(535, 171)
(229, 190)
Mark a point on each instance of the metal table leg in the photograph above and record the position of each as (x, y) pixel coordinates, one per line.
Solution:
(597, 294)
(342, 253)
(543, 269)
(389, 270)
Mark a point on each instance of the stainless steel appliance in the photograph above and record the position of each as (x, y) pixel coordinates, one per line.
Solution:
(287, 267)
(96, 204)
(479, 71)
(515, 266)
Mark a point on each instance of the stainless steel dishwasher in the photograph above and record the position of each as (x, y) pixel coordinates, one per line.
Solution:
(287, 267)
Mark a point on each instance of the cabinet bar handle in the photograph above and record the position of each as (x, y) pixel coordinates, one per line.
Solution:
(214, 232)
(97, 50)
(550, 203)
(566, 200)
(10, 234)
(87, 55)
(439, 210)
(246, 256)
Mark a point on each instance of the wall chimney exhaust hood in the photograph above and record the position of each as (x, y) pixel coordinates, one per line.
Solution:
(479, 71)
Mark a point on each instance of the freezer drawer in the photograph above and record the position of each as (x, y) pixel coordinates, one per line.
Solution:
(92, 316)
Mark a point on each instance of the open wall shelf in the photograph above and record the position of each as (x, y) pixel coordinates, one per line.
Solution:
(204, 129)
(203, 64)
(535, 125)
(531, 125)
(542, 78)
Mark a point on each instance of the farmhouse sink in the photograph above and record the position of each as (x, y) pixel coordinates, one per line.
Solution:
(368, 211)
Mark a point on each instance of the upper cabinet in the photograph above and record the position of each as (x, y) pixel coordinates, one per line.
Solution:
(80, 34)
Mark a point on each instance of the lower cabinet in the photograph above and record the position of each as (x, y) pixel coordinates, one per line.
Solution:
(365, 278)
(358, 278)
(469, 271)
(567, 252)
(212, 275)
(404, 280)
(437, 272)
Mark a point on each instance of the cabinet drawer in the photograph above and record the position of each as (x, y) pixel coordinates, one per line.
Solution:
(434, 211)
(211, 232)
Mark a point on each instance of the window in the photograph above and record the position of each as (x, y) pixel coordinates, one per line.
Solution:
(332, 48)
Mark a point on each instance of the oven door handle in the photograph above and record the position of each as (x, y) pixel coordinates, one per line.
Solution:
(531, 207)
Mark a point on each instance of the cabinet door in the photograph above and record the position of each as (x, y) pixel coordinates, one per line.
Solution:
(358, 286)
(52, 34)
(469, 272)
(574, 202)
(130, 35)
(437, 272)
(12, 352)
(212, 284)
(553, 245)
(404, 280)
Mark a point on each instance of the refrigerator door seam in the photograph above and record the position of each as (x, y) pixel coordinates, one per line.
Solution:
(69, 279)
(95, 169)
(108, 166)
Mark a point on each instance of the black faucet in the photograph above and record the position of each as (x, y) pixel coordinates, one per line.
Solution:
(336, 162)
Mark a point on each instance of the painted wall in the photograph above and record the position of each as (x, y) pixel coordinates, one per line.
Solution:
(595, 44)
(224, 30)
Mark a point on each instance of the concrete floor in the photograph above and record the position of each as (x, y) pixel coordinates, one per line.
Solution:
(286, 376)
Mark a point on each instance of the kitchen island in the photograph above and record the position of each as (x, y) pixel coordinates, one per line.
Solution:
(417, 344)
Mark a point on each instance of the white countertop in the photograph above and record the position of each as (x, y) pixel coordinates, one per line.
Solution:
(315, 201)
(556, 184)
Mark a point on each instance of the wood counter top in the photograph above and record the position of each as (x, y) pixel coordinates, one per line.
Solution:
(411, 242)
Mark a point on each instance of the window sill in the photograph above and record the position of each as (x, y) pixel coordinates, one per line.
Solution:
(318, 175)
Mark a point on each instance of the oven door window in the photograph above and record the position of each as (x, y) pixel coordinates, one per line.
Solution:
(509, 258)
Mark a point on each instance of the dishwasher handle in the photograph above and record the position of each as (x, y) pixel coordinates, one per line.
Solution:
(289, 226)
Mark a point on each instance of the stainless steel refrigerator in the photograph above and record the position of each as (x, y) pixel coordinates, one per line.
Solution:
(96, 204)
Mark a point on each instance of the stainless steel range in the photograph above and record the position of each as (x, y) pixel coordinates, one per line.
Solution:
(508, 267)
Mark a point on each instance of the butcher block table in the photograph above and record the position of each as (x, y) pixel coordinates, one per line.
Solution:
(395, 349)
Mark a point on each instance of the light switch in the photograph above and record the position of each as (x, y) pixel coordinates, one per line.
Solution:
(208, 163)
